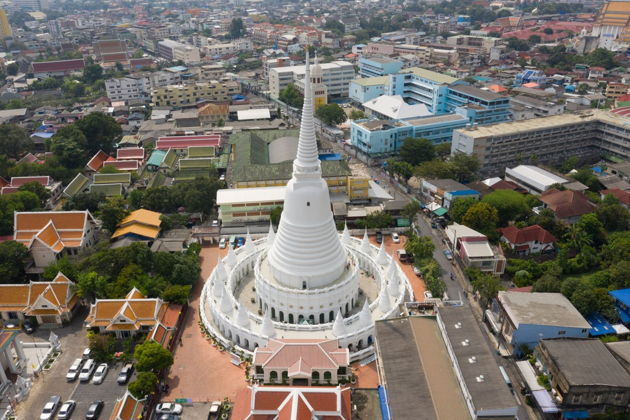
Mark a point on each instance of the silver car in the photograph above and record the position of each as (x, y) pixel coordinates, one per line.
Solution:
(99, 374)
(73, 372)
(48, 413)
(66, 410)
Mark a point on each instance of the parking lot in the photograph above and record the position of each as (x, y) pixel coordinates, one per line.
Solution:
(53, 382)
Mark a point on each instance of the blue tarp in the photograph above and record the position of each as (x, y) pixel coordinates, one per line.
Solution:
(382, 400)
(575, 414)
(599, 325)
(330, 156)
(623, 315)
(622, 295)
(464, 192)
(597, 169)
(43, 135)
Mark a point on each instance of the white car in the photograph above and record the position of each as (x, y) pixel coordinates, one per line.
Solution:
(73, 372)
(222, 242)
(87, 370)
(395, 238)
(99, 374)
(50, 408)
(215, 223)
(169, 408)
(66, 410)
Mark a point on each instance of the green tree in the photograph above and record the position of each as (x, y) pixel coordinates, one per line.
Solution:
(236, 29)
(577, 238)
(14, 141)
(100, 130)
(331, 114)
(548, 31)
(12, 69)
(511, 205)
(411, 209)
(442, 150)
(92, 286)
(434, 169)
(588, 178)
(459, 207)
(601, 57)
(534, 39)
(376, 220)
(12, 256)
(85, 201)
(112, 211)
(415, 151)
(356, 114)
(62, 265)
(593, 228)
(612, 214)
(69, 145)
(92, 73)
(486, 285)
(482, 217)
(517, 44)
(582, 89)
(335, 27)
(101, 347)
(291, 96)
(176, 294)
(276, 212)
(436, 285)
(38, 189)
(400, 168)
(150, 356)
(421, 247)
(464, 166)
(144, 384)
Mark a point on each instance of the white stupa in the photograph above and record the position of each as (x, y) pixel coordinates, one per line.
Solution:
(305, 280)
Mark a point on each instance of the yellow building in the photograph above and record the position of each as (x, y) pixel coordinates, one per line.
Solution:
(190, 94)
(5, 27)
(613, 25)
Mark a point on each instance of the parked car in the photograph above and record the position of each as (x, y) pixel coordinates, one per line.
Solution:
(169, 408)
(215, 223)
(28, 327)
(428, 295)
(75, 369)
(222, 177)
(87, 370)
(222, 242)
(12, 324)
(169, 417)
(434, 225)
(448, 254)
(395, 238)
(66, 410)
(416, 271)
(379, 237)
(240, 241)
(94, 410)
(125, 374)
(215, 408)
(50, 408)
(86, 353)
(100, 373)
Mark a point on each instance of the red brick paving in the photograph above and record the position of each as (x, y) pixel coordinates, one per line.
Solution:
(200, 371)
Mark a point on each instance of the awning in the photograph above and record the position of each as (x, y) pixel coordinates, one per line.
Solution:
(599, 325)
(545, 402)
(575, 414)
(440, 212)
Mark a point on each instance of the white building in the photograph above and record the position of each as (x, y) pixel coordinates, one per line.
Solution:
(305, 281)
(337, 76)
(174, 51)
(233, 47)
(129, 89)
(534, 179)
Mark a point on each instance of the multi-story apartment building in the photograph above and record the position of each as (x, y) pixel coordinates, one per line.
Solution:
(174, 51)
(545, 140)
(211, 72)
(484, 107)
(482, 42)
(615, 90)
(336, 76)
(233, 47)
(534, 107)
(130, 89)
(191, 94)
(378, 66)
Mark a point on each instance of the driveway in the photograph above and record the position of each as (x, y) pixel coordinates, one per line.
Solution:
(73, 341)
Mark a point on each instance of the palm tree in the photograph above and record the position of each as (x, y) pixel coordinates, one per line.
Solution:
(576, 238)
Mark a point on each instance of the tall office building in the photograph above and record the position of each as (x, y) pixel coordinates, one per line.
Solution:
(5, 27)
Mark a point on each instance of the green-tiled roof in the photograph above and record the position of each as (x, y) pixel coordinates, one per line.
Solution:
(157, 180)
(77, 185)
(201, 151)
(191, 173)
(222, 161)
(157, 157)
(117, 178)
(196, 163)
(251, 158)
(107, 189)
(169, 159)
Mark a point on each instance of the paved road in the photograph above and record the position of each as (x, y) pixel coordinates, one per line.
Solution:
(73, 340)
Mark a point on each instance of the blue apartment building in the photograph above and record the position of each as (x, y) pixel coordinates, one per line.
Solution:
(378, 66)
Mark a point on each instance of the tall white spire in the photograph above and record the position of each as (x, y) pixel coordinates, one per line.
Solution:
(339, 328)
(271, 235)
(382, 256)
(383, 303)
(249, 244)
(365, 316)
(307, 159)
(345, 237)
(242, 318)
(365, 243)
(219, 272)
(231, 258)
(267, 326)
(307, 250)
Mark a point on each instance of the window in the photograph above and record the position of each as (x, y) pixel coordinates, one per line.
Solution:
(562, 332)
(576, 399)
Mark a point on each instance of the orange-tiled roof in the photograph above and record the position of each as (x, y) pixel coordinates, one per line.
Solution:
(318, 354)
(26, 297)
(96, 163)
(54, 229)
(127, 408)
(146, 217)
(135, 308)
(137, 229)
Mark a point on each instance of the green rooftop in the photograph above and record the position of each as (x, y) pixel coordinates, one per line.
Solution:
(251, 158)
(190, 174)
(169, 159)
(196, 163)
(122, 178)
(78, 184)
(201, 151)
(107, 189)
(431, 75)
